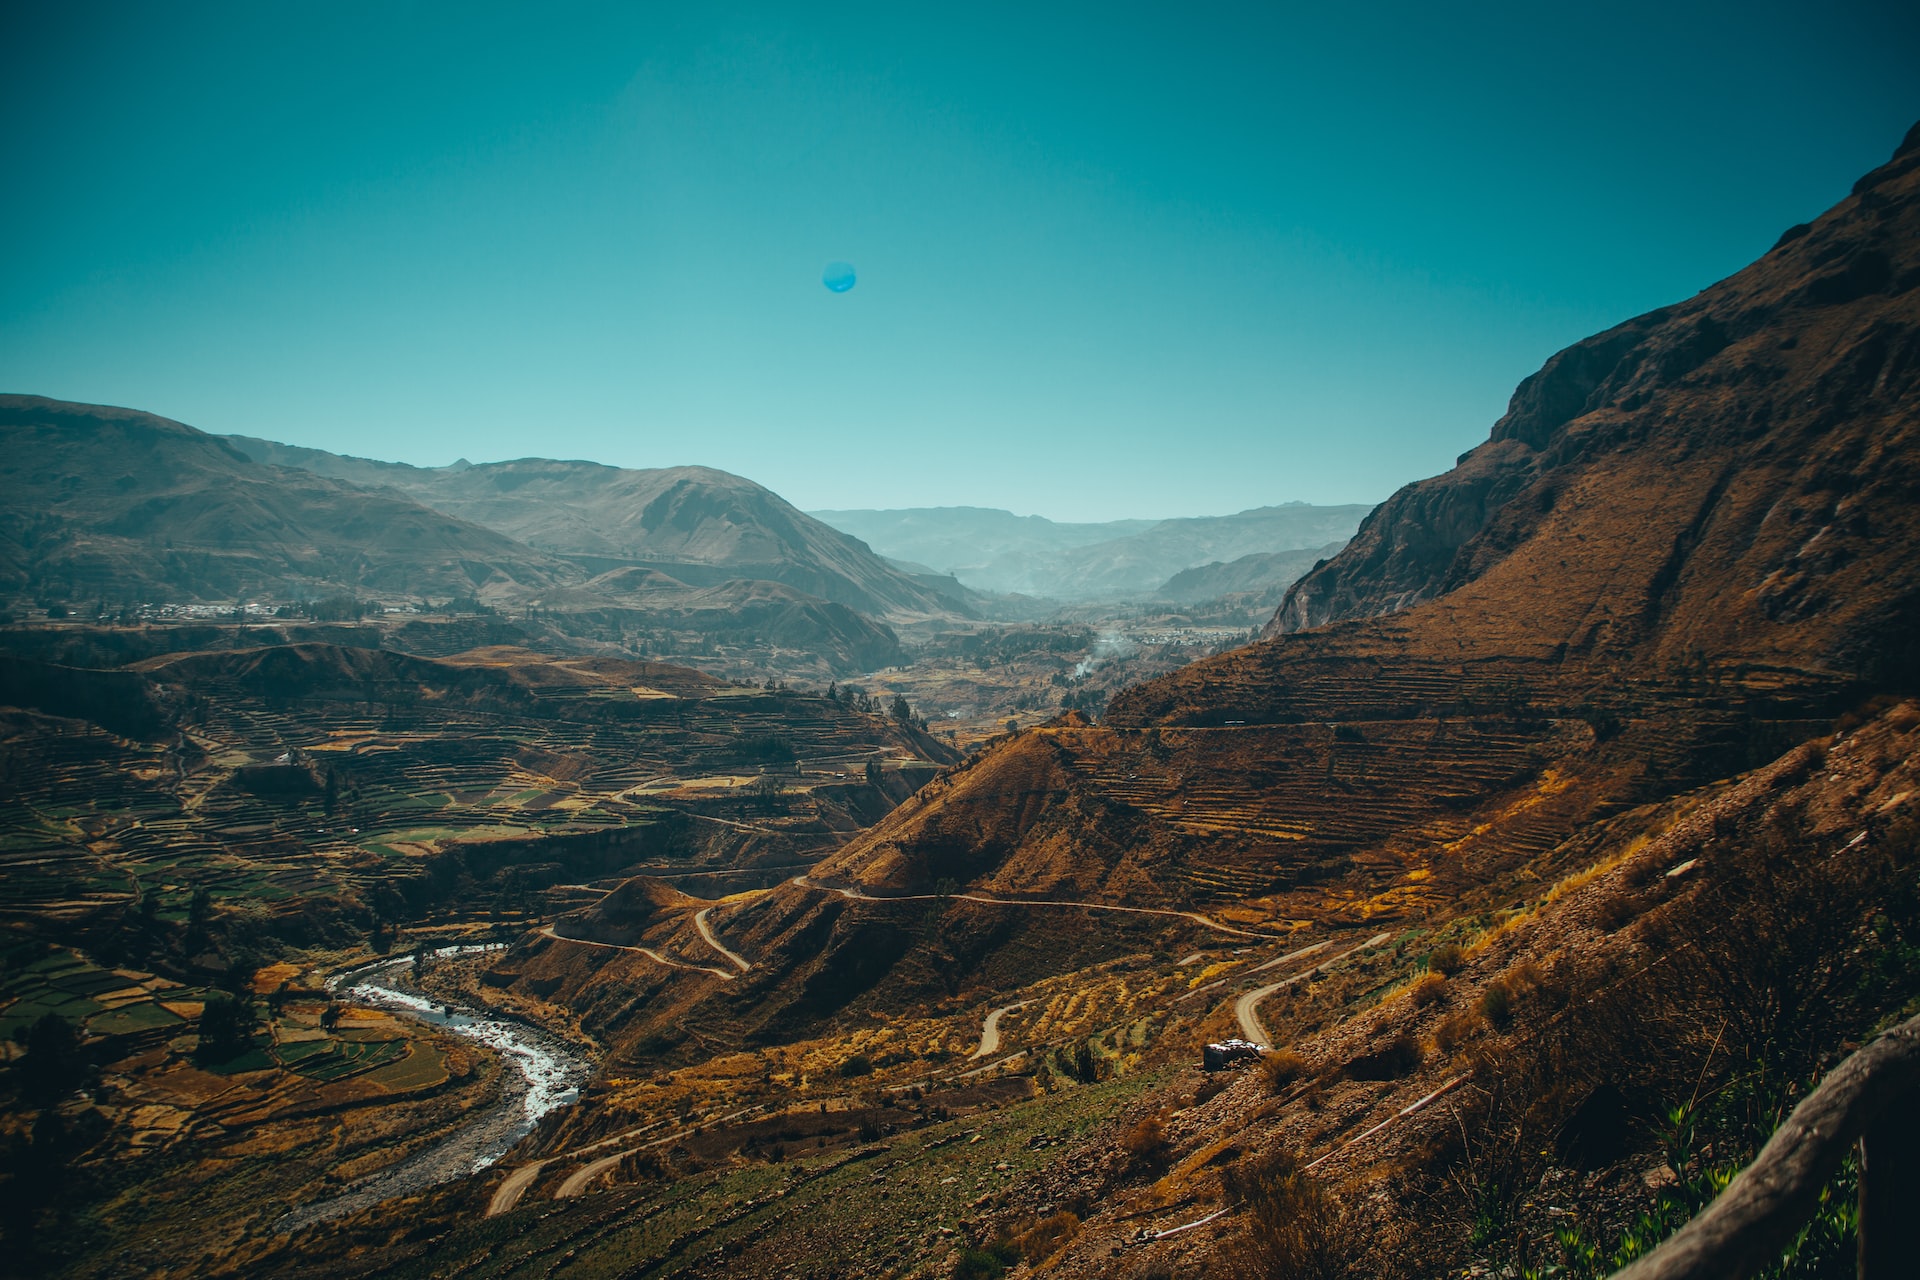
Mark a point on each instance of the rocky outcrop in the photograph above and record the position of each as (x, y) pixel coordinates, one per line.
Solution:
(1787, 354)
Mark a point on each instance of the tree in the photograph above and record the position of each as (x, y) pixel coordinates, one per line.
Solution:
(238, 978)
(226, 1028)
(199, 915)
(900, 710)
(51, 1068)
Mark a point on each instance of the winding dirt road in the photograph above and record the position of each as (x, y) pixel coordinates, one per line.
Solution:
(990, 1029)
(1207, 922)
(581, 1178)
(1246, 1008)
(508, 1193)
(706, 932)
(725, 975)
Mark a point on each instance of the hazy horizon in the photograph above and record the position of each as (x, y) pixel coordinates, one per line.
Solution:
(1107, 264)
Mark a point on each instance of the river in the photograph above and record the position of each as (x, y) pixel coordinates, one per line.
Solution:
(546, 1076)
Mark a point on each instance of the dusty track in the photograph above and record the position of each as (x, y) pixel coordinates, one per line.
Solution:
(1246, 1008)
(990, 1029)
(725, 975)
(706, 932)
(508, 1193)
(1206, 922)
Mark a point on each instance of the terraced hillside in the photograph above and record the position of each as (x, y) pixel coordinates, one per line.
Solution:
(335, 784)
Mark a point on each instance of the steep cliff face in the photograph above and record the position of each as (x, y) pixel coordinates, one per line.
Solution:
(1802, 352)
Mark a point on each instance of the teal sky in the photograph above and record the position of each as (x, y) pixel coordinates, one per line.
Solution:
(1113, 260)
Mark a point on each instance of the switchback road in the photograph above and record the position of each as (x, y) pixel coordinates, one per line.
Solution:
(1246, 1008)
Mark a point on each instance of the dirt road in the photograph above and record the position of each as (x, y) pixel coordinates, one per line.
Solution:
(1246, 1008)
(1207, 922)
(581, 1178)
(990, 1029)
(706, 932)
(508, 1193)
(725, 975)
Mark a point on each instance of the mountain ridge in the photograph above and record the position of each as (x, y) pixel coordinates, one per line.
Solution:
(1436, 534)
(117, 502)
(699, 525)
(989, 549)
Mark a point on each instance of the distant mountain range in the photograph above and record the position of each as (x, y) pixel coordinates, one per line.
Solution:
(1269, 571)
(99, 503)
(695, 525)
(993, 550)
(111, 508)
(105, 507)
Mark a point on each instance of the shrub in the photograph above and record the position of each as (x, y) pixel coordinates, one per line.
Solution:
(987, 1263)
(858, 1065)
(978, 1264)
(1455, 1029)
(1281, 1068)
(1146, 1142)
(1615, 912)
(1427, 989)
(1296, 1229)
(226, 1028)
(53, 1063)
(1496, 1003)
(1447, 960)
(1399, 1057)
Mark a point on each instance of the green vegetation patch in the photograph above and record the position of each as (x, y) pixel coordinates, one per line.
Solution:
(132, 1018)
(423, 1068)
(338, 1059)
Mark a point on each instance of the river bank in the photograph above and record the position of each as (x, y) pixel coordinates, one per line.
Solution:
(545, 1075)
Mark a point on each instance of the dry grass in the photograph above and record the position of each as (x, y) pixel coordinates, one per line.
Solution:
(1427, 989)
(1297, 1230)
(1456, 1030)
(1145, 1142)
(1447, 960)
(1041, 1239)
(1280, 1069)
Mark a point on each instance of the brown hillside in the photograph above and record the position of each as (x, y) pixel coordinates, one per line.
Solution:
(1729, 475)
(1690, 565)
(626, 915)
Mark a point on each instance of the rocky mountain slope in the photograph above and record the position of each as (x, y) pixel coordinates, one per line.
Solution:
(697, 525)
(1699, 560)
(1781, 399)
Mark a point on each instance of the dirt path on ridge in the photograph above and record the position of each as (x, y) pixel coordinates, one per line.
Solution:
(706, 932)
(1205, 922)
(725, 975)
